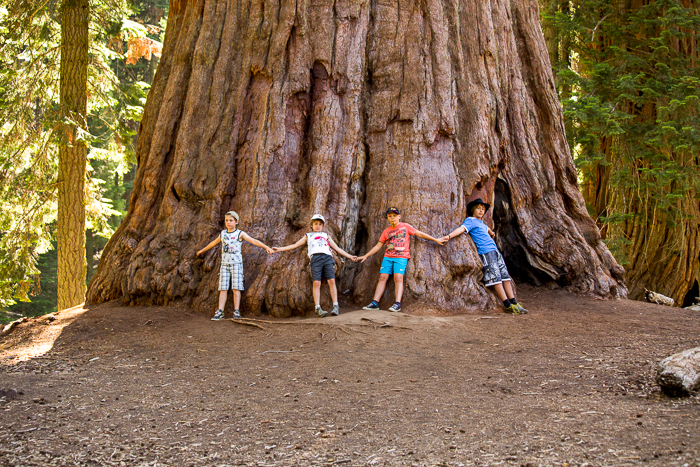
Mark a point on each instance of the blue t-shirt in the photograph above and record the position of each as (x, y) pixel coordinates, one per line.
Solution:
(480, 234)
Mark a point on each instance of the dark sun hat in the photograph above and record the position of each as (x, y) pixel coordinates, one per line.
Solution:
(473, 204)
(392, 210)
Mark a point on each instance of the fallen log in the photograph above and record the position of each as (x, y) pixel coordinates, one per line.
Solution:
(679, 374)
(11, 327)
(655, 297)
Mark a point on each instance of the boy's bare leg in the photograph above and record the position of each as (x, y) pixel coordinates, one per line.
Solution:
(334, 290)
(317, 293)
(508, 287)
(398, 285)
(498, 288)
(381, 285)
(223, 295)
(236, 299)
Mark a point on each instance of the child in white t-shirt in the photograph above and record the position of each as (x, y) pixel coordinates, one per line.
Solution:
(322, 263)
(231, 272)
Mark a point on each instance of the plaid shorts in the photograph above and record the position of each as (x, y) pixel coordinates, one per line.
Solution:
(231, 276)
(495, 270)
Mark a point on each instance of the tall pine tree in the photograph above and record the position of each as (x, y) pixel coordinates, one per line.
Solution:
(72, 153)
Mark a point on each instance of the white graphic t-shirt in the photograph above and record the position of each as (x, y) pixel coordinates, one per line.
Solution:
(318, 243)
(231, 247)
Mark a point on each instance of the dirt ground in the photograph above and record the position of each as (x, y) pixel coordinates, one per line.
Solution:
(570, 383)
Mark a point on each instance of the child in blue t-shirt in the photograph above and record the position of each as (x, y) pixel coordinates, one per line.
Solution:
(495, 271)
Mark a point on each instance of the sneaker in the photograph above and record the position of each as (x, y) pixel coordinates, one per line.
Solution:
(236, 314)
(521, 309)
(371, 306)
(320, 313)
(335, 311)
(513, 310)
(218, 316)
(395, 307)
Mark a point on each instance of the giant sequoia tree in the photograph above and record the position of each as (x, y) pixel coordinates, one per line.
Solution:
(283, 109)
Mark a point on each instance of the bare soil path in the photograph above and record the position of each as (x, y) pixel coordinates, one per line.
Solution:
(571, 383)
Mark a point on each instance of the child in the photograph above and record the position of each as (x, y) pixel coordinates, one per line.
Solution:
(397, 237)
(495, 272)
(322, 263)
(231, 272)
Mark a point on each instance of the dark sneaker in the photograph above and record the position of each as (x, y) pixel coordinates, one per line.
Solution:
(395, 307)
(236, 314)
(513, 310)
(371, 306)
(521, 309)
(335, 311)
(218, 316)
(320, 313)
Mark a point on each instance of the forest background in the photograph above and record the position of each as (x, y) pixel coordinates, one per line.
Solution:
(626, 72)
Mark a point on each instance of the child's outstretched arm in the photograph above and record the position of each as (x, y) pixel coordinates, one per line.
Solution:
(425, 236)
(293, 246)
(340, 251)
(255, 242)
(374, 249)
(210, 246)
(455, 233)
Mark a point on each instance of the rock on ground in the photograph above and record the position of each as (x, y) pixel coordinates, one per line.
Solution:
(679, 374)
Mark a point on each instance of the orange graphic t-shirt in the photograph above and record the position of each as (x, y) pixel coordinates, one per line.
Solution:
(397, 240)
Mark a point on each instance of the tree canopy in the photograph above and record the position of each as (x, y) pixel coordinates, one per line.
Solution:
(30, 44)
(629, 82)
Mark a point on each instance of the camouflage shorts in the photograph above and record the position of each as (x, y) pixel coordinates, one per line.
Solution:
(495, 270)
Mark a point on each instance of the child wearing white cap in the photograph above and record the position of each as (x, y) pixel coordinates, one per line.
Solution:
(322, 263)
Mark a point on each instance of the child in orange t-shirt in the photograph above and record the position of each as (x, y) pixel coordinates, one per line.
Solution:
(397, 239)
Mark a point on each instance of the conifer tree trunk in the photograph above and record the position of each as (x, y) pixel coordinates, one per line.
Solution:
(280, 110)
(72, 153)
(648, 217)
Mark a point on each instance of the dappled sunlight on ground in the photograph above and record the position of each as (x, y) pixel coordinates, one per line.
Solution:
(27, 342)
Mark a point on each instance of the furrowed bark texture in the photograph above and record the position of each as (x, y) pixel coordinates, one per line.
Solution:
(72, 154)
(281, 110)
(662, 253)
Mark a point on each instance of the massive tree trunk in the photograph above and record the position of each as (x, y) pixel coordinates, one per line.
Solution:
(281, 110)
(72, 153)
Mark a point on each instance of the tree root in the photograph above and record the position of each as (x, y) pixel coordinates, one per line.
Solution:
(245, 323)
(375, 324)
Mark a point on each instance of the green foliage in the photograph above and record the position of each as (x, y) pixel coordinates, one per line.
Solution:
(629, 84)
(43, 289)
(29, 96)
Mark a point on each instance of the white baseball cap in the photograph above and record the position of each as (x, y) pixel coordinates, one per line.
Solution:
(317, 217)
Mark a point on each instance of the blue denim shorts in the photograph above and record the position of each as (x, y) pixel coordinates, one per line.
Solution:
(393, 266)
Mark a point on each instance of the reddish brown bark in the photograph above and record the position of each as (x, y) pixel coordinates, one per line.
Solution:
(281, 110)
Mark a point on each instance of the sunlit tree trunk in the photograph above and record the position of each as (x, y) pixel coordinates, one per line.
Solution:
(72, 153)
(280, 110)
